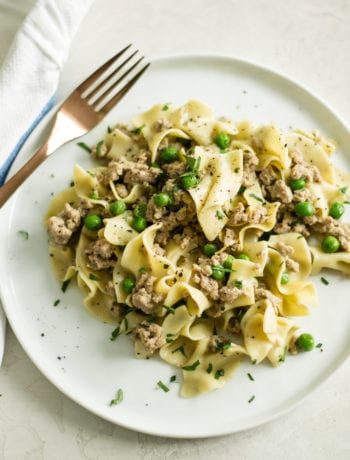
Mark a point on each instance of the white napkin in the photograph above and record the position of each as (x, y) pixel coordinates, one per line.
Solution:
(29, 78)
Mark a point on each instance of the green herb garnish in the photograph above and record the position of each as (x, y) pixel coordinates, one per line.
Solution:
(219, 373)
(115, 334)
(99, 147)
(56, 302)
(163, 386)
(250, 377)
(64, 285)
(191, 367)
(324, 281)
(209, 368)
(94, 277)
(84, 146)
(138, 130)
(251, 399)
(118, 398)
(256, 197)
(24, 234)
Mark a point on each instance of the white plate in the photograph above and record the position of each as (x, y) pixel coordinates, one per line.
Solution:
(74, 351)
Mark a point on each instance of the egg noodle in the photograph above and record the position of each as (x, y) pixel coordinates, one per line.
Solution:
(197, 236)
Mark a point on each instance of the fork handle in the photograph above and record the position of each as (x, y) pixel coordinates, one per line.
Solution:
(12, 184)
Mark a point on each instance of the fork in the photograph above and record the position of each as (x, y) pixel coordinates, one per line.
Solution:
(80, 112)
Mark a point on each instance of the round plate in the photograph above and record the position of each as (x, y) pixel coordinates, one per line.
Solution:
(73, 350)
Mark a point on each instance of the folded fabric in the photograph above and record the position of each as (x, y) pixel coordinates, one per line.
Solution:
(30, 75)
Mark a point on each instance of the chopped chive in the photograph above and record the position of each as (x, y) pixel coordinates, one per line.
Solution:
(191, 367)
(165, 266)
(173, 378)
(166, 106)
(56, 302)
(250, 377)
(109, 129)
(138, 130)
(94, 277)
(163, 386)
(256, 197)
(343, 190)
(254, 361)
(169, 309)
(324, 281)
(319, 345)
(223, 345)
(99, 147)
(169, 338)
(239, 284)
(118, 398)
(142, 270)
(283, 356)
(115, 334)
(209, 368)
(219, 373)
(24, 234)
(251, 399)
(65, 285)
(220, 215)
(181, 349)
(84, 146)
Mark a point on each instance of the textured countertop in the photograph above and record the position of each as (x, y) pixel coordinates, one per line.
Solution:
(309, 41)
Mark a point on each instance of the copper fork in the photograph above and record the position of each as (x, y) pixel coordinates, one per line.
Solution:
(81, 111)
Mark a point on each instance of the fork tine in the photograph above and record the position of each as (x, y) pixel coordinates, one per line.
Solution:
(108, 90)
(92, 78)
(91, 94)
(120, 94)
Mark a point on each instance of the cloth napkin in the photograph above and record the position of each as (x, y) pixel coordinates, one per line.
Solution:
(29, 78)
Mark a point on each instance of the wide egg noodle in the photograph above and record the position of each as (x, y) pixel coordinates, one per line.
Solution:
(214, 196)
(221, 366)
(339, 261)
(97, 301)
(139, 254)
(298, 294)
(273, 148)
(87, 186)
(120, 145)
(199, 122)
(313, 154)
(118, 230)
(266, 335)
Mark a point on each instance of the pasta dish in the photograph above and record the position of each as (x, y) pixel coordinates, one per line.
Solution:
(197, 236)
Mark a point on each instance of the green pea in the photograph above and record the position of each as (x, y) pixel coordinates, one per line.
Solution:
(330, 244)
(93, 222)
(337, 210)
(243, 257)
(228, 262)
(117, 207)
(189, 181)
(128, 285)
(209, 249)
(304, 209)
(161, 199)
(139, 224)
(297, 184)
(218, 272)
(140, 210)
(306, 342)
(222, 140)
(169, 154)
(285, 278)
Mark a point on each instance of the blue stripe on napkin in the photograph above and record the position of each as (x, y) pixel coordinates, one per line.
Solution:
(11, 158)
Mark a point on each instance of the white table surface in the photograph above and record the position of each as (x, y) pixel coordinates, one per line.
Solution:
(306, 39)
